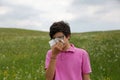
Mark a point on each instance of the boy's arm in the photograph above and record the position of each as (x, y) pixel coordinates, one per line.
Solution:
(86, 77)
(86, 67)
(50, 71)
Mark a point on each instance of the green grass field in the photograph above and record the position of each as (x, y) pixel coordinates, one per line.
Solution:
(22, 53)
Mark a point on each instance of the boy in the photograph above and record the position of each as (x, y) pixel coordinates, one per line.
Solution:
(64, 61)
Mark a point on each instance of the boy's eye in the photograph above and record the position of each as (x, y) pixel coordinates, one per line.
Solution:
(62, 37)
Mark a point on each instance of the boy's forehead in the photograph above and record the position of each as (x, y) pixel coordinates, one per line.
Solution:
(58, 34)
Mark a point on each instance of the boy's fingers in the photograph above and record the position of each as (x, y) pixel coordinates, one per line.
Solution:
(61, 41)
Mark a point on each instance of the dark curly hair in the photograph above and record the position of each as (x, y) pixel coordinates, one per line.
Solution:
(60, 26)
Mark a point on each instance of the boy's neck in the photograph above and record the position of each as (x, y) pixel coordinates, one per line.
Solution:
(67, 47)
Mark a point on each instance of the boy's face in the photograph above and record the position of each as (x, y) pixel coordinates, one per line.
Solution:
(62, 36)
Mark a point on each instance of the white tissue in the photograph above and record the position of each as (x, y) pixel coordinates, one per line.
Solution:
(54, 41)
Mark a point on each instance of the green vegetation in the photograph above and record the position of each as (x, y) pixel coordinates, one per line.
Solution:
(22, 53)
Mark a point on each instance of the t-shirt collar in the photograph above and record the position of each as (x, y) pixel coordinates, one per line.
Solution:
(71, 49)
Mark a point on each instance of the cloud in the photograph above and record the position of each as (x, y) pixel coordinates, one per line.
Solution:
(38, 9)
(95, 15)
(19, 12)
(40, 14)
(4, 10)
(96, 11)
(19, 16)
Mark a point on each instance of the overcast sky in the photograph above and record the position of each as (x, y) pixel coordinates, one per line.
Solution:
(82, 15)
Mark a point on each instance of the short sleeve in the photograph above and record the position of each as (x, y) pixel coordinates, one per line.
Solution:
(47, 60)
(86, 67)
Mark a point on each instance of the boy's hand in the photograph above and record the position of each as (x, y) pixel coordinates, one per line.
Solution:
(57, 48)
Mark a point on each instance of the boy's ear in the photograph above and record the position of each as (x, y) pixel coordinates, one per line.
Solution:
(68, 37)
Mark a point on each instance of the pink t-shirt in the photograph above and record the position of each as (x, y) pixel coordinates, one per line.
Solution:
(70, 64)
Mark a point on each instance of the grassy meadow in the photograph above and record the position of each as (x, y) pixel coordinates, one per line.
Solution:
(22, 53)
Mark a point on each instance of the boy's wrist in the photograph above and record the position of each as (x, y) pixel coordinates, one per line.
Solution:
(53, 56)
